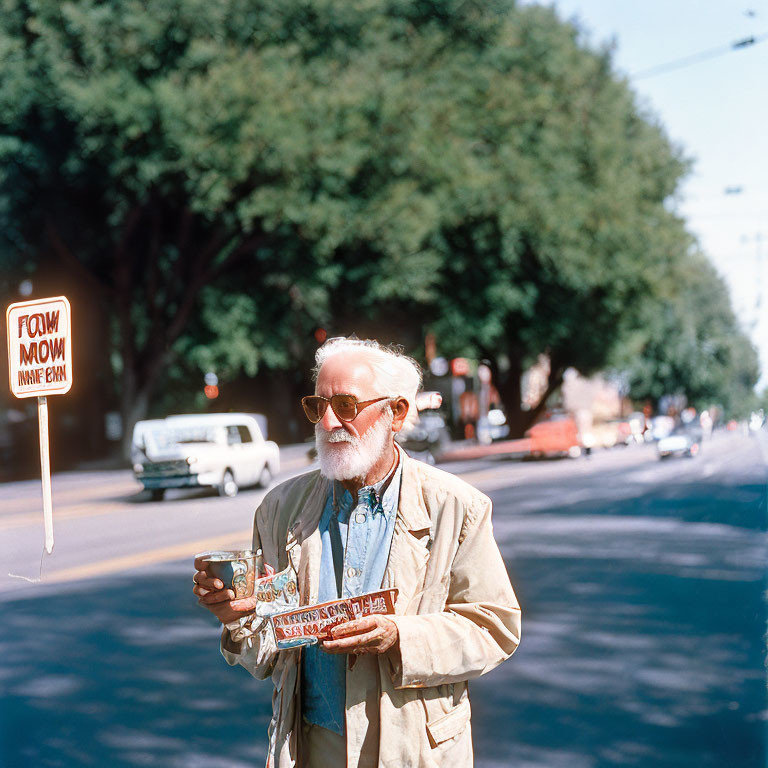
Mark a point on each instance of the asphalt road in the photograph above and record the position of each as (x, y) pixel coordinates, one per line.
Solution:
(644, 615)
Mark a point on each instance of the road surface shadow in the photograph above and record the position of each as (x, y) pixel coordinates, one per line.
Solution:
(642, 646)
(124, 672)
(643, 632)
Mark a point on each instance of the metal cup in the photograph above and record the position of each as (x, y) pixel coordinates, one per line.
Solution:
(237, 569)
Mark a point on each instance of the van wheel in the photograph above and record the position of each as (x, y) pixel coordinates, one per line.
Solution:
(265, 478)
(157, 494)
(228, 486)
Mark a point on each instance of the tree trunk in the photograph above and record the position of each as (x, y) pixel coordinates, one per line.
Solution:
(127, 411)
(554, 381)
(133, 410)
(511, 393)
(286, 388)
(137, 395)
(94, 399)
(510, 384)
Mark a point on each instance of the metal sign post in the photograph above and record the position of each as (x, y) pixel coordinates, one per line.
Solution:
(45, 466)
(40, 364)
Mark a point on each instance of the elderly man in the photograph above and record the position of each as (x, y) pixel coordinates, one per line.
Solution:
(387, 691)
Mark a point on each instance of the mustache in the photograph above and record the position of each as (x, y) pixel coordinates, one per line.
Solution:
(338, 435)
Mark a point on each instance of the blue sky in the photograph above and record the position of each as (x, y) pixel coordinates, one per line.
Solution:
(717, 110)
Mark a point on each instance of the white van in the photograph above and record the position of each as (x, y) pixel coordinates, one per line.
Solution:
(226, 451)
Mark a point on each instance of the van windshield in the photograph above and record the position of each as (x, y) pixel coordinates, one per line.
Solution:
(164, 438)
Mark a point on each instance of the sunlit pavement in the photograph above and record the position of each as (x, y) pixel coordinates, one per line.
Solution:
(642, 584)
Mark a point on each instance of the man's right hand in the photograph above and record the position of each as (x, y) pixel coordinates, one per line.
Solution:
(219, 601)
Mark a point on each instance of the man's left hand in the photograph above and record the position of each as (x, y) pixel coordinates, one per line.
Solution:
(371, 634)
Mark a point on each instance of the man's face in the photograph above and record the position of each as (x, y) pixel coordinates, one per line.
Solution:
(349, 449)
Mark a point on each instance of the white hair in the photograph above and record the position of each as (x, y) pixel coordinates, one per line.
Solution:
(395, 374)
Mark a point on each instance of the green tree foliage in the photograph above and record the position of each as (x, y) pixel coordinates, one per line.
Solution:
(226, 176)
(687, 341)
(156, 147)
(566, 228)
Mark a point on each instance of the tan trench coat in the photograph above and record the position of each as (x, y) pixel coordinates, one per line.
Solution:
(456, 614)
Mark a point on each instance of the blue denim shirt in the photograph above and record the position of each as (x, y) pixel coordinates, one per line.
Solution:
(367, 529)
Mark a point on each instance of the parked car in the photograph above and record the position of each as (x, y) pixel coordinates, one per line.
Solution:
(662, 426)
(427, 437)
(602, 434)
(623, 430)
(498, 429)
(226, 451)
(682, 441)
(556, 436)
(638, 426)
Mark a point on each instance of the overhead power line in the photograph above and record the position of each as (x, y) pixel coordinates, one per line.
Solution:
(712, 53)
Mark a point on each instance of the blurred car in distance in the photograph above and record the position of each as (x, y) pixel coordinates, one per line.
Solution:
(625, 431)
(497, 426)
(226, 451)
(556, 436)
(603, 434)
(427, 437)
(637, 427)
(682, 441)
(662, 426)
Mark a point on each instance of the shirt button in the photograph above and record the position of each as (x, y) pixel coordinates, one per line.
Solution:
(360, 517)
(351, 572)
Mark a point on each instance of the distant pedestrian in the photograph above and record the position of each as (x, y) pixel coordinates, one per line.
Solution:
(386, 691)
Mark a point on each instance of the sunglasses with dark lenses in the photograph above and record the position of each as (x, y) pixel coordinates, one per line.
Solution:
(346, 407)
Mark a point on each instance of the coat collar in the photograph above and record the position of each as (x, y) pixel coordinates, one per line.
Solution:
(412, 509)
(304, 534)
(411, 540)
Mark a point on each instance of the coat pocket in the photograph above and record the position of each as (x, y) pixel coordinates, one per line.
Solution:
(449, 724)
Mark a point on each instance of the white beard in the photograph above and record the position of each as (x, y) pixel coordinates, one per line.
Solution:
(345, 457)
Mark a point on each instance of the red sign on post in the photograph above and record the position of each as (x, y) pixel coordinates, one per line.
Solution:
(40, 364)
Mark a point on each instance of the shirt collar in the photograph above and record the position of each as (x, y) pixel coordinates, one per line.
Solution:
(376, 494)
(379, 494)
(380, 488)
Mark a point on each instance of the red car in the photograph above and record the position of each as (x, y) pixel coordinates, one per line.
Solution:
(558, 435)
